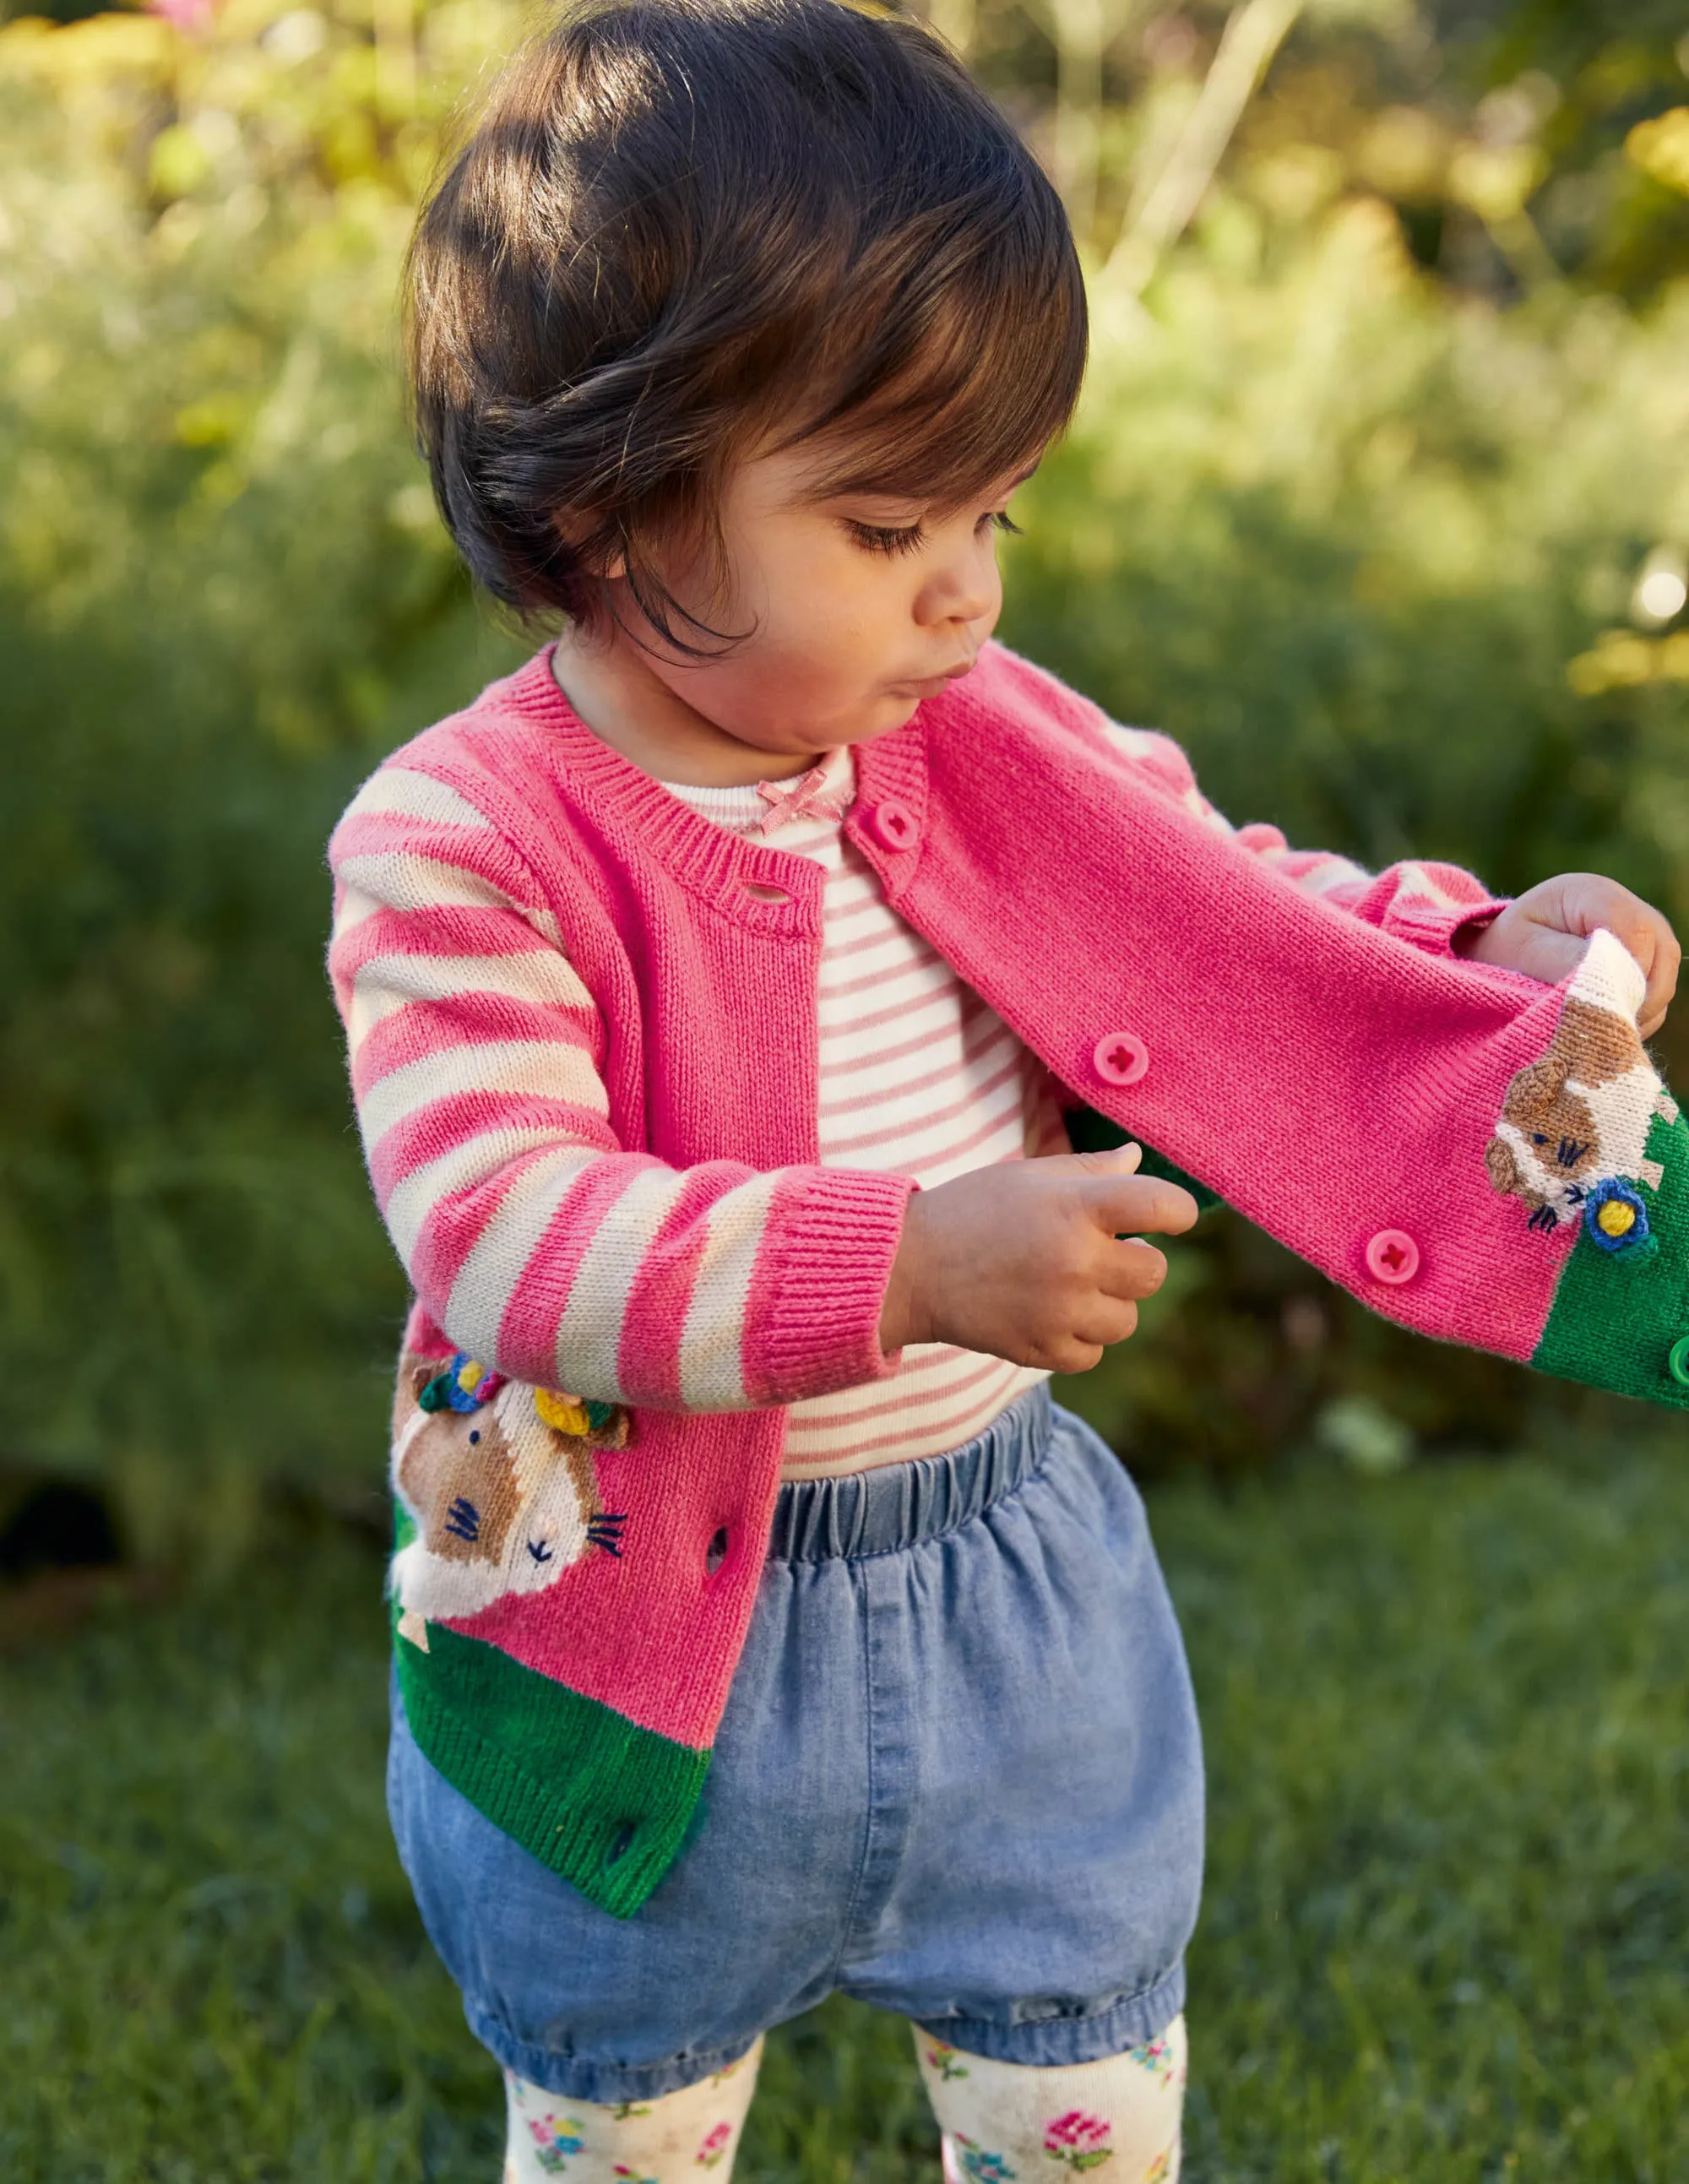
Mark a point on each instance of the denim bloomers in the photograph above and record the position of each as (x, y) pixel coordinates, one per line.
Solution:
(959, 1776)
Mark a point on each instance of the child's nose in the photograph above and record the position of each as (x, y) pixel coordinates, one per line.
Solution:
(965, 588)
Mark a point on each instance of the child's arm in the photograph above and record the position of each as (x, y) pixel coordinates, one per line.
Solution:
(1040, 1260)
(551, 1255)
(1584, 1153)
(1545, 932)
(538, 1244)
(1438, 906)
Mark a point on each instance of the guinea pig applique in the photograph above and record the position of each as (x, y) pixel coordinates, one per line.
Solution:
(499, 1480)
(1571, 1141)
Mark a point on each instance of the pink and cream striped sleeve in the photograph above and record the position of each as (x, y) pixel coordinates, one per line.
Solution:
(531, 1237)
(1420, 901)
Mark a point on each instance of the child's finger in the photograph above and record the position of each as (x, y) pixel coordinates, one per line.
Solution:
(1106, 1320)
(1117, 1160)
(1655, 946)
(1592, 900)
(1544, 952)
(1141, 1205)
(1122, 1200)
(1132, 1269)
(1649, 940)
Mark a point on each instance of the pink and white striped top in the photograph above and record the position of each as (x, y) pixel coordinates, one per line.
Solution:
(534, 1240)
(917, 1077)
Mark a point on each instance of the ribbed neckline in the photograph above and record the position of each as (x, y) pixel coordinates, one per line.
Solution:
(738, 805)
(712, 860)
(742, 806)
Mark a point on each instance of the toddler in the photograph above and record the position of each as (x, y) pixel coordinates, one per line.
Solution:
(724, 991)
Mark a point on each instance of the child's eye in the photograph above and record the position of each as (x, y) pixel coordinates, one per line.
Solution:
(889, 539)
(881, 538)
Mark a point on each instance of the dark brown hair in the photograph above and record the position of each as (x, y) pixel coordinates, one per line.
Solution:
(680, 226)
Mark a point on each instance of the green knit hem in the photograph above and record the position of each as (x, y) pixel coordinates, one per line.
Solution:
(1617, 1315)
(601, 1802)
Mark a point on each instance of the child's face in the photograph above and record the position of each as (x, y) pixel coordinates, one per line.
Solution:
(860, 606)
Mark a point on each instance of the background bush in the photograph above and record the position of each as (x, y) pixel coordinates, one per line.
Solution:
(1377, 502)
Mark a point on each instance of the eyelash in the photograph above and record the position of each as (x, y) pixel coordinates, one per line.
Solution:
(877, 539)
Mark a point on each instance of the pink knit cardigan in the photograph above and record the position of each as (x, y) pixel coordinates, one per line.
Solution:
(1339, 1076)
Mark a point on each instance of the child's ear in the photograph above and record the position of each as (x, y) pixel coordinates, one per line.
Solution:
(575, 532)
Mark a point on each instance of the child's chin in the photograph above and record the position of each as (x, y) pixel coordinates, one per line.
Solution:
(893, 711)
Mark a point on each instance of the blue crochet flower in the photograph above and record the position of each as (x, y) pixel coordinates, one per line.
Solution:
(1614, 1217)
(463, 1386)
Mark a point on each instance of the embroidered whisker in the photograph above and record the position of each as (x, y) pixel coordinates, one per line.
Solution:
(605, 1532)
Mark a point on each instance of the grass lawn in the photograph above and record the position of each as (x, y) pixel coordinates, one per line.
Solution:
(1447, 1919)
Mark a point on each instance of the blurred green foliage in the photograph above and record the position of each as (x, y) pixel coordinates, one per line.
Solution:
(1380, 487)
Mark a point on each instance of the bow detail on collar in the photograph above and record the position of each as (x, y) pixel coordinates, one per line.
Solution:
(822, 793)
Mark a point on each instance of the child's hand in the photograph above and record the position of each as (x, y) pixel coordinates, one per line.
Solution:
(1542, 933)
(1025, 1260)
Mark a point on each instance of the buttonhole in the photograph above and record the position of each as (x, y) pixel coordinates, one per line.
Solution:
(622, 1844)
(716, 1552)
(760, 893)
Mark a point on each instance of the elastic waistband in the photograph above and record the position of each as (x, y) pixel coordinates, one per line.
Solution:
(897, 1505)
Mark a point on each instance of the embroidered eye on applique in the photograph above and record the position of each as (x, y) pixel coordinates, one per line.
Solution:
(1571, 1142)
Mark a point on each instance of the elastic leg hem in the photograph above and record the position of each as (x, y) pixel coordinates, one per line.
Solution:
(574, 2078)
(1050, 2043)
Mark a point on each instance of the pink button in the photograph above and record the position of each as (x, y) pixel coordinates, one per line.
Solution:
(1120, 1057)
(892, 824)
(1392, 1256)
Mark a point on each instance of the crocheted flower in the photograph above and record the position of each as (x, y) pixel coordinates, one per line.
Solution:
(1160, 2169)
(1614, 1217)
(1080, 2140)
(941, 2058)
(579, 1415)
(633, 2175)
(715, 2147)
(463, 1385)
(985, 2167)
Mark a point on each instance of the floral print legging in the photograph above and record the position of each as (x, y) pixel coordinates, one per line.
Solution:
(1001, 2123)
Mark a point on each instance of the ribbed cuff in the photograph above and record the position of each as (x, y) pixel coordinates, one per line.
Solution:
(813, 1320)
(1436, 930)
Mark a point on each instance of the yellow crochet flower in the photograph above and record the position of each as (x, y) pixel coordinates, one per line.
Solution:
(566, 1413)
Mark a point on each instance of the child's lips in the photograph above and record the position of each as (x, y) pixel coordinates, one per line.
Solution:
(929, 686)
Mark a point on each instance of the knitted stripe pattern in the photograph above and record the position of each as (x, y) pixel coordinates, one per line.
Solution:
(551, 1253)
(584, 1039)
(917, 1077)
